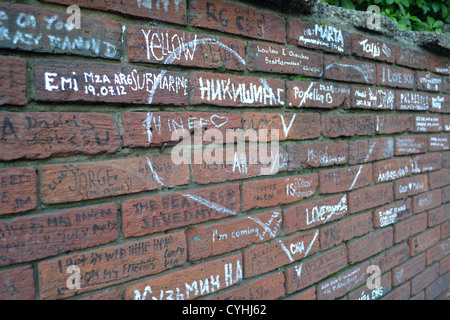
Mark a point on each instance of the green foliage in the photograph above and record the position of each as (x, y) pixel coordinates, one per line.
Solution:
(417, 15)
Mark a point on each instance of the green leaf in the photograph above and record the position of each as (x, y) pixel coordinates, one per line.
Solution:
(436, 6)
(438, 24)
(390, 1)
(444, 10)
(347, 4)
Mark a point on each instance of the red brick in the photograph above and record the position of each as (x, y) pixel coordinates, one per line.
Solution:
(349, 70)
(446, 85)
(74, 81)
(445, 159)
(234, 164)
(412, 101)
(90, 180)
(446, 123)
(108, 295)
(346, 281)
(410, 145)
(214, 239)
(439, 103)
(269, 256)
(158, 213)
(364, 293)
(178, 47)
(268, 288)
(438, 251)
(235, 91)
(348, 125)
(438, 215)
(17, 284)
(438, 179)
(319, 154)
(190, 283)
(411, 58)
(346, 229)
(307, 294)
(285, 60)
(170, 11)
(316, 268)
(391, 257)
(428, 81)
(370, 197)
(409, 227)
(400, 293)
(444, 265)
(36, 29)
(426, 162)
(446, 194)
(371, 48)
(426, 123)
(393, 123)
(112, 265)
(305, 94)
(273, 192)
(367, 246)
(362, 151)
(391, 170)
(318, 36)
(44, 134)
(437, 287)
(392, 213)
(345, 179)
(408, 269)
(34, 237)
(439, 64)
(311, 214)
(439, 142)
(143, 129)
(423, 241)
(378, 99)
(17, 190)
(13, 81)
(291, 126)
(395, 77)
(232, 18)
(410, 186)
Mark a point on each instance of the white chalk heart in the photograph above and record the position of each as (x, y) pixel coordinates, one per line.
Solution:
(220, 121)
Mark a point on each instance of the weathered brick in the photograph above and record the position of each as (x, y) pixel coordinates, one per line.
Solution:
(410, 145)
(346, 281)
(391, 257)
(438, 179)
(269, 256)
(273, 192)
(410, 186)
(408, 227)
(17, 190)
(305, 94)
(362, 151)
(439, 142)
(345, 179)
(178, 47)
(143, 129)
(235, 91)
(367, 246)
(232, 18)
(438, 215)
(428, 81)
(171, 11)
(90, 180)
(348, 125)
(424, 279)
(307, 294)
(112, 265)
(370, 197)
(34, 237)
(318, 36)
(426, 162)
(108, 83)
(411, 58)
(290, 126)
(412, 101)
(311, 214)
(426, 123)
(346, 229)
(349, 70)
(319, 154)
(408, 269)
(364, 293)
(393, 123)
(13, 81)
(424, 240)
(316, 268)
(285, 60)
(439, 64)
(268, 288)
(446, 194)
(392, 213)
(438, 287)
(400, 293)
(214, 239)
(40, 30)
(439, 103)
(41, 135)
(438, 251)
(107, 295)
(376, 99)
(371, 48)
(158, 213)
(391, 170)
(395, 77)
(445, 159)
(17, 284)
(190, 283)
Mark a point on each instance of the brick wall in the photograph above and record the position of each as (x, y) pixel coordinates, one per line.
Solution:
(87, 178)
